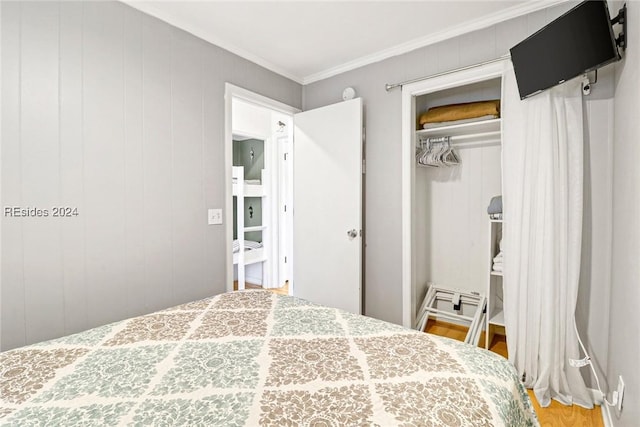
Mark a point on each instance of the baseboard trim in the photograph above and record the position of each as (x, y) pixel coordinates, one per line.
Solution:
(604, 408)
(606, 416)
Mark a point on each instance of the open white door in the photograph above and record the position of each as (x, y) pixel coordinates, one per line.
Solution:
(327, 217)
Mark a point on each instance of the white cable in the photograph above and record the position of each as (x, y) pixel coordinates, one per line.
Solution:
(588, 358)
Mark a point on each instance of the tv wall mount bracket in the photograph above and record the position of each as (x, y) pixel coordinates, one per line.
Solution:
(621, 18)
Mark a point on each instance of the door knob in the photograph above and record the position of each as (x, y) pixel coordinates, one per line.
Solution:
(352, 234)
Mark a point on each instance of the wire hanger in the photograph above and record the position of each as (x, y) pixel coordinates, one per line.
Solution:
(437, 152)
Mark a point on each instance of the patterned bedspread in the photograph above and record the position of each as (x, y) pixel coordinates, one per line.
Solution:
(255, 358)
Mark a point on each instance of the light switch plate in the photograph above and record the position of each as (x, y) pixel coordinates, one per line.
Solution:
(215, 216)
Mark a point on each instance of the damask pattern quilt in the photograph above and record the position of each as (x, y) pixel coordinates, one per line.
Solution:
(254, 358)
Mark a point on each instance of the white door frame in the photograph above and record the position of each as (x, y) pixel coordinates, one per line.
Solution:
(230, 92)
(409, 93)
(285, 218)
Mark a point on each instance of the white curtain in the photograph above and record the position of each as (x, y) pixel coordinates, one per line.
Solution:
(542, 198)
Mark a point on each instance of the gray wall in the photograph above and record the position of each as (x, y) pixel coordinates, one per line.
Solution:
(122, 116)
(624, 339)
(592, 310)
(383, 178)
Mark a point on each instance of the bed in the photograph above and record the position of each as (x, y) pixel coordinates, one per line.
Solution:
(256, 358)
(253, 252)
(242, 187)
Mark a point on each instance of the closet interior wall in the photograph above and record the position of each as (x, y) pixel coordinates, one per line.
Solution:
(451, 203)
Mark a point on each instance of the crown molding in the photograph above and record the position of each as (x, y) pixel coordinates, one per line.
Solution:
(487, 21)
(149, 9)
(468, 27)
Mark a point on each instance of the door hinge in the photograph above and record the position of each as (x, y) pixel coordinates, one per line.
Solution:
(364, 166)
(285, 156)
(285, 208)
(285, 260)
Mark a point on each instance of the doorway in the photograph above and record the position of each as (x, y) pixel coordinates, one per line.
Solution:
(259, 132)
(319, 249)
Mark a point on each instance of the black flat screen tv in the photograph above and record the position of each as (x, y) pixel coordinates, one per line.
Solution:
(579, 41)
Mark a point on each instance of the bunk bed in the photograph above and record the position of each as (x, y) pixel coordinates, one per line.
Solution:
(245, 252)
(257, 358)
(247, 187)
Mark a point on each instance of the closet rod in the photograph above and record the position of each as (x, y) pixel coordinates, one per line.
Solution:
(477, 139)
(487, 135)
(388, 86)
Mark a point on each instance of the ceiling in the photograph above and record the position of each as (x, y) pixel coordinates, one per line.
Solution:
(310, 40)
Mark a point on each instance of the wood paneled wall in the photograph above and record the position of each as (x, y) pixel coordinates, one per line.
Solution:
(121, 116)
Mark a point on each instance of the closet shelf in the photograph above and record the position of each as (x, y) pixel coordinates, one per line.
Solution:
(255, 228)
(484, 132)
(491, 125)
(495, 284)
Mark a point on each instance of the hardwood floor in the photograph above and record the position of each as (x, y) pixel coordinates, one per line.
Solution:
(554, 415)
(281, 291)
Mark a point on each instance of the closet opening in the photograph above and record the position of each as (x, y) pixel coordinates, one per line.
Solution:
(449, 240)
